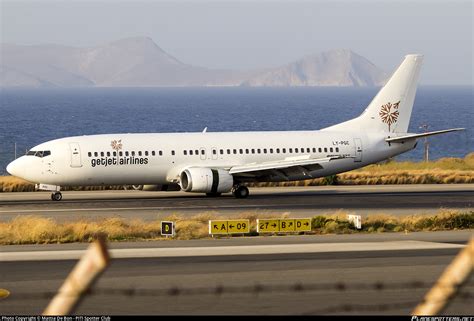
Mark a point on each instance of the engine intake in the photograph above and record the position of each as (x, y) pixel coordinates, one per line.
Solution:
(206, 180)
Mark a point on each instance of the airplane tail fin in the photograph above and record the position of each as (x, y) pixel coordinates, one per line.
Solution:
(390, 110)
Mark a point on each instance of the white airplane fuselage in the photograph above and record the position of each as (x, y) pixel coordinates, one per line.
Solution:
(69, 163)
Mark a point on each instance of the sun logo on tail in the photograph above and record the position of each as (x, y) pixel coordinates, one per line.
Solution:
(389, 113)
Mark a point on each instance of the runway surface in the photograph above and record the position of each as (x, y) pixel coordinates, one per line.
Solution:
(297, 201)
(377, 274)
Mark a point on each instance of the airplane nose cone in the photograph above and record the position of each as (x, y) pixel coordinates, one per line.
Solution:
(13, 168)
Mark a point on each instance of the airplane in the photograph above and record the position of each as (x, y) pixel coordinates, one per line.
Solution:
(222, 162)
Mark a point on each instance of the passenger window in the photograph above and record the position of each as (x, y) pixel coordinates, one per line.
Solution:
(235, 151)
(108, 154)
(325, 149)
(127, 153)
(214, 152)
(172, 152)
(264, 150)
(153, 153)
(139, 153)
(308, 150)
(271, 150)
(290, 150)
(259, 150)
(203, 152)
(278, 151)
(337, 149)
(190, 152)
(283, 150)
(120, 154)
(196, 152)
(133, 153)
(253, 150)
(246, 151)
(314, 150)
(114, 153)
(101, 154)
(296, 150)
(241, 151)
(160, 153)
(146, 153)
(88, 154)
(221, 152)
(185, 152)
(331, 150)
(320, 150)
(228, 152)
(96, 154)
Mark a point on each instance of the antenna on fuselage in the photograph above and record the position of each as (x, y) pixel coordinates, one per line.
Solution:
(204, 130)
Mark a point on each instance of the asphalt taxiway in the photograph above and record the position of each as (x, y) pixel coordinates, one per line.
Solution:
(297, 201)
(336, 274)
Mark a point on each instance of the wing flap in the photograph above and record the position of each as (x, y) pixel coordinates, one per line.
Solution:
(306, 163)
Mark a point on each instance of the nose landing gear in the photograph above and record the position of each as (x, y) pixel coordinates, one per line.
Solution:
(56, 196)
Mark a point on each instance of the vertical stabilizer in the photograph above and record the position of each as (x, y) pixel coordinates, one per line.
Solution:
(390, 110)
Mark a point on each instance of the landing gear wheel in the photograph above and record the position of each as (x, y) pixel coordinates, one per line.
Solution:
(57, 196)
(213, 194)
(241, 192)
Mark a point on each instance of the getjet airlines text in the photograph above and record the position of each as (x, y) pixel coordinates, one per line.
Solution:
(109, 161)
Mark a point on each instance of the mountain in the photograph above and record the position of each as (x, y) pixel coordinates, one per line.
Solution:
(332, 68)
(139, 62)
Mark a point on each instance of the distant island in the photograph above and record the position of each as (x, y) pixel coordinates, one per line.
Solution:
(140, 62)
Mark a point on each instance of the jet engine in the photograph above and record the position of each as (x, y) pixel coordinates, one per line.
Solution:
(206, 180)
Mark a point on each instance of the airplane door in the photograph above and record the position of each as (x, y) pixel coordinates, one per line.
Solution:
(358, 150)
(75, 155)
(202, 153)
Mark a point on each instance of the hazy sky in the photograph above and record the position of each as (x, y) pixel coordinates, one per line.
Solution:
(256, 34)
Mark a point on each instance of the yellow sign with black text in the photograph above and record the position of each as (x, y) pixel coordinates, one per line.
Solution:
(283, 225)
(229, 226)
(268, 226)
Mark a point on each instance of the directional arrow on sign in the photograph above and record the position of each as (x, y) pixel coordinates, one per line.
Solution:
(215, 226)
(274, 225)
(306, 224)
(231, 226)
(291, 223)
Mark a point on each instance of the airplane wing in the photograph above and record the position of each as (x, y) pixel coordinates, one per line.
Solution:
(401, 139)
(302, 165)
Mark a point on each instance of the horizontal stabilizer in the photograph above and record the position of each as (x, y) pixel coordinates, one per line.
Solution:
(401, 139)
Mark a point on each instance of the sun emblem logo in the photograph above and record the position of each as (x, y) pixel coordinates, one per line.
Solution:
(389, 113)
(116, 145)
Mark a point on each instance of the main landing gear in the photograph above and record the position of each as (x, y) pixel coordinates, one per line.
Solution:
(240, 191)
(56, 196)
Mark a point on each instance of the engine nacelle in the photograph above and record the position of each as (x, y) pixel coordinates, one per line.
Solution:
(206, 180)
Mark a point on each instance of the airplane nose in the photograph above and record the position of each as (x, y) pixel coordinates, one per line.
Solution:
(13, 168)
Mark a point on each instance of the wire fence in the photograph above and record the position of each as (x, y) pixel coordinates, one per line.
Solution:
(255, 289)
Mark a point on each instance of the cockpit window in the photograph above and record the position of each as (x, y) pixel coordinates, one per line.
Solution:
(41, 153)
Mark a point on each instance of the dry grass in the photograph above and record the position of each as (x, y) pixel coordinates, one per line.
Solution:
(40, 230)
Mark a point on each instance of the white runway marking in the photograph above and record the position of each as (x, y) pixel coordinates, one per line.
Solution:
(232, 250)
